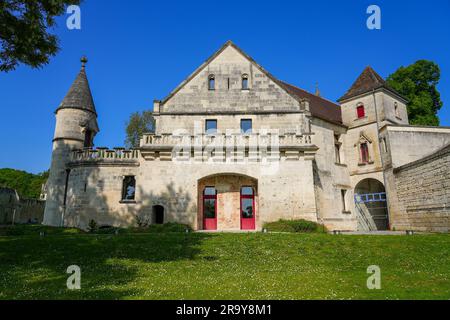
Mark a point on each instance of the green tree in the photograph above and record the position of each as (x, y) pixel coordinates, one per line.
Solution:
(24, 31)
(137, 125)
(417, 83)
(28, 185)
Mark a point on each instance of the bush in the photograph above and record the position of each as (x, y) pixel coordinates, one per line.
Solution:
(295, 226)
(161, 228)
(92, 227)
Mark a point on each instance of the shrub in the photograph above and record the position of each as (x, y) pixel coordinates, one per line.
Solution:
(161, 228)
(92, 227)
(295, 226)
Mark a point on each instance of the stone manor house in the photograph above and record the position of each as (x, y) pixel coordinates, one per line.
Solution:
(235, 147)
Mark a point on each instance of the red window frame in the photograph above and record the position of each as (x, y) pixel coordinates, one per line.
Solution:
(360, 111)
(210, 223)
(248, 223)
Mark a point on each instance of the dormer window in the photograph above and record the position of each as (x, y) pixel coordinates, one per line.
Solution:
(212, 82)
(245, 82)
(360, 111)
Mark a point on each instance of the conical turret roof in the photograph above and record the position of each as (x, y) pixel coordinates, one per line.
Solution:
(79, 95)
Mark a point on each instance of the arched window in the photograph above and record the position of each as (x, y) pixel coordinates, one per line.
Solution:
(212, 82)
(245, 82)
(360, 111)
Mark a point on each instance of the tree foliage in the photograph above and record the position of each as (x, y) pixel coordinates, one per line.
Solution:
(137, 125)
(417, 83)
(24, 31)
(28, 185)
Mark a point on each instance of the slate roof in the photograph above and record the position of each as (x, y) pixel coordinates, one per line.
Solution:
(79, 95)
(319, 107)
(368, 81)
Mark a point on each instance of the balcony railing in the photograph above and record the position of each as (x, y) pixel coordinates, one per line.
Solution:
(283, 142)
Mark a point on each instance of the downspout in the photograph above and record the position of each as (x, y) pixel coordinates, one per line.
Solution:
(381, 158)
(65, 198)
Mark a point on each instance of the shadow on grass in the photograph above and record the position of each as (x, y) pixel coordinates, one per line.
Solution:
(35, 268)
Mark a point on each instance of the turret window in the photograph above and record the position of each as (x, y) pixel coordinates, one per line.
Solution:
(88, 139)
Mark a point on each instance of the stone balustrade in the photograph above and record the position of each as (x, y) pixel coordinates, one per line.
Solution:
(116, 154)
(287, 141)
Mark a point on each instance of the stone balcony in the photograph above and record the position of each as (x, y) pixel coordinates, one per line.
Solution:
(166, 147)
(104, 156)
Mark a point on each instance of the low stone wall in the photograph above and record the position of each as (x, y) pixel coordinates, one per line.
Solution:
(17, 210)
(423, 190)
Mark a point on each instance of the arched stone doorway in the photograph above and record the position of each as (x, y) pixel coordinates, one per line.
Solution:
(227, 202)
(158, 214)
(371, 205)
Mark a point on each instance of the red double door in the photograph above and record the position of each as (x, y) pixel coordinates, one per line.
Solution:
(247, 209)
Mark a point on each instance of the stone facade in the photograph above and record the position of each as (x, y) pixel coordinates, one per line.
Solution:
(301, 160)
(15, 210)
(423, 191)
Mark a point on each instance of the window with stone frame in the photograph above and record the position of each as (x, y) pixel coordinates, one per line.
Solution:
(129, 188)
(360, 111)
(211, 126)
(212, 82)
(397, 110)
(364, 149)
(245, 82)
(364, 146)
(344, 201)
(337, 149)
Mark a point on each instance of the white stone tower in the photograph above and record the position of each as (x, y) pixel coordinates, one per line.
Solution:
(76, 127)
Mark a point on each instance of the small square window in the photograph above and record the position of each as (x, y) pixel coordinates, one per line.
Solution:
(246, 126)
(211, 126)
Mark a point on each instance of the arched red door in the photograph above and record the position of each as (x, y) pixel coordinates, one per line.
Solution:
(248, 212)
(210, 208)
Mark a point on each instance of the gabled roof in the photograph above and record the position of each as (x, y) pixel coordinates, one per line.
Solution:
(319, 107)
(79, 95)
(368, 81)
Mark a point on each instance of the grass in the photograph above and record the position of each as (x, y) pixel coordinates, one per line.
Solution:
(223, 266)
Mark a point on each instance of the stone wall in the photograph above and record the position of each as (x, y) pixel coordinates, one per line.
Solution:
(17, 210)
(423, 191)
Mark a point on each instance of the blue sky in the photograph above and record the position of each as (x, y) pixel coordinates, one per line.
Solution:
(140, 50)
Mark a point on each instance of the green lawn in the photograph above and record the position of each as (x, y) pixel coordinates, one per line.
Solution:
(224, 266)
